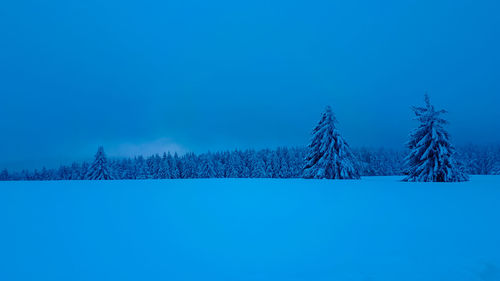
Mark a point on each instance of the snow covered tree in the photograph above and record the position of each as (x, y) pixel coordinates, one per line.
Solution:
(4, 175)
(496, 169)
(164, 171)
(235, 165)
(258, 166)
(75, 172)
(329, 156)
(177, 171)
(246, 169)
(206, 167)
(153, 166)
(284, 163)
(269, 164)
(297, 162)
(218, 165)
(431, 154)
(63, 173)
(99, 170)
(140, 168)
(190, 164)
(173, 172)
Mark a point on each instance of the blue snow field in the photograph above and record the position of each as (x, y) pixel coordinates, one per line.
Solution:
(250, 229)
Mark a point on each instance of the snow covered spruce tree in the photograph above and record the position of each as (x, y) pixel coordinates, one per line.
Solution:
(329, 155)
(431, 157)
(99, 170)
(496, 169)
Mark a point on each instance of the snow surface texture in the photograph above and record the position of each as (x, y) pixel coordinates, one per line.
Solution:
(377, 228)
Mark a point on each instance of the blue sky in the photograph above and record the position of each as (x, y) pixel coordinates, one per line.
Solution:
(141, 76)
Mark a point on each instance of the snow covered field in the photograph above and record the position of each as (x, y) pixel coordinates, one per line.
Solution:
(250, 229)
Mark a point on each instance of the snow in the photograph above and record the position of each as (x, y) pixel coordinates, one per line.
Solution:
(377, 228)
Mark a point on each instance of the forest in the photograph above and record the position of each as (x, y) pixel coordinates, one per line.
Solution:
(281, 162)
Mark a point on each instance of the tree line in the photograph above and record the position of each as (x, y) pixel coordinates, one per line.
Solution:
(430, 157)
(282, 162)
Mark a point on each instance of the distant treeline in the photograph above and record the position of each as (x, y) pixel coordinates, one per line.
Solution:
(282, 162)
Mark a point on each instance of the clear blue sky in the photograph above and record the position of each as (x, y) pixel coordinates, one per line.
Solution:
(142, 76)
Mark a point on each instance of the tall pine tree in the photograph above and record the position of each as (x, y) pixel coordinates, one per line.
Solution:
(99, 170)
(329, 155)
(431, 153)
